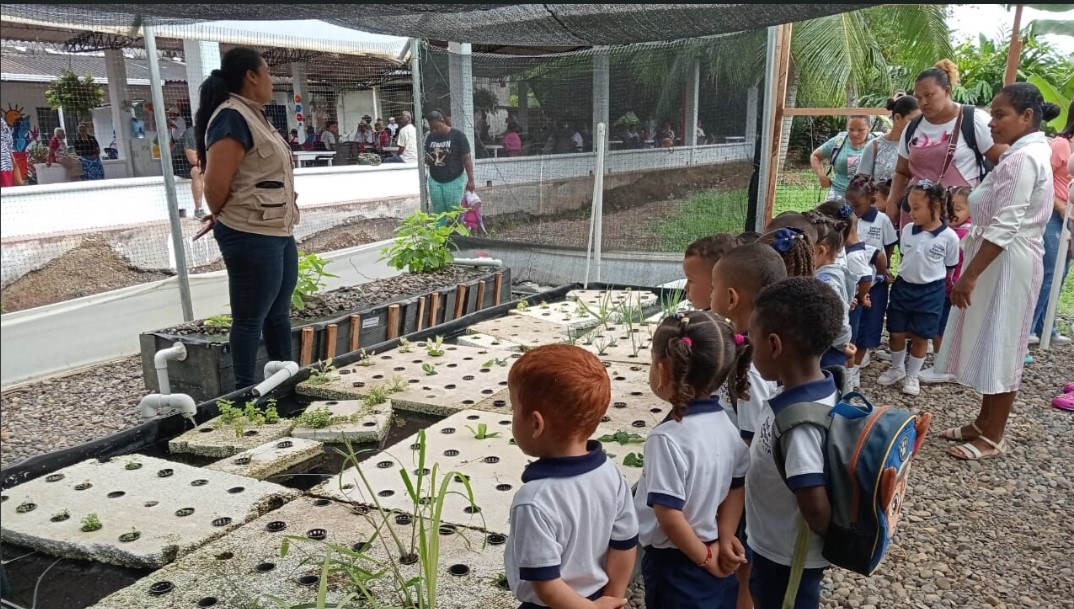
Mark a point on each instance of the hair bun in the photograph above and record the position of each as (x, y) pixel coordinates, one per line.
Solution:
(890, 104)
(950, 69)
(1049, 111)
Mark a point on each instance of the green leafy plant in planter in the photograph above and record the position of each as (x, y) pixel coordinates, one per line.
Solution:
(319, 375)
(634, 460)
(404, 345)
(221, 322)
(482, 432)
(238, 418)
(311, 274)
(90, 523)
(428, 369)
(435, 347)
(622, 437)
(423, 241)
(77, 96)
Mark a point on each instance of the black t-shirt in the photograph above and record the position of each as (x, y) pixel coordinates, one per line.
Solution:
(444, 155)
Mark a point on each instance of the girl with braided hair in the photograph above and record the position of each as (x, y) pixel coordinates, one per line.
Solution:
(790, 240)
(691, 496)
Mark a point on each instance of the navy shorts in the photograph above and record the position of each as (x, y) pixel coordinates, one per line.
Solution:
(945, 314)
(871, 327)
(768, 584)
(855, 324)
(673, 581)
(833, 357)
(915, 308)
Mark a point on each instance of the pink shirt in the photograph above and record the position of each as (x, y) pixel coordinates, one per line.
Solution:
(952, 275)
(512, 143)
(1060, 171)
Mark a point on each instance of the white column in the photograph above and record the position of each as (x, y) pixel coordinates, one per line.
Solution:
(201, 58)
(693, 83)
(751, 114)
(116, 73)
(600, 89)
(300, 99)
(461, 83)
(524, 106)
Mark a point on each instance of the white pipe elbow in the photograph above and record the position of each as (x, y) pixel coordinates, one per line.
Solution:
(478, 261)
(151, 405)
(275, 374)
(160, 362)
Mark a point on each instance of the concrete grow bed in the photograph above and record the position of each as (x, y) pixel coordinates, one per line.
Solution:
(207, 371)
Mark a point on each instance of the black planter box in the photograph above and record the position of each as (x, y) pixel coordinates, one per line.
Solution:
(207, 371)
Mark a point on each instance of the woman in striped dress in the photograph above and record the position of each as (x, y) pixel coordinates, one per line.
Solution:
(997, 292)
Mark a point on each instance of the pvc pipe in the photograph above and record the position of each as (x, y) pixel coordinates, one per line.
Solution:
(275, 374)
(478, 261)
(596, 215)
(160, 362)
(151, 404)
(1057, 282)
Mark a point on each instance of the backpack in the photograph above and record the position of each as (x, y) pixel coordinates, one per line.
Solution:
(840, 141)
(867, 459)
(968, 134)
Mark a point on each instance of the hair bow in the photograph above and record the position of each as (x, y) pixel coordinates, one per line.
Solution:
(845, 211)
(783, 240)
(687, 341)
(740, 339)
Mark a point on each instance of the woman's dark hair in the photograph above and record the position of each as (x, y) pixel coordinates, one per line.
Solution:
(219, 86)
(1026, 96)
(1068, 131)
(703, 352)
(902, 106)
(805, 313)
(945, 72)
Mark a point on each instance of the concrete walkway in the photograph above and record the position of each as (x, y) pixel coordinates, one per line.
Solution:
(44, 341)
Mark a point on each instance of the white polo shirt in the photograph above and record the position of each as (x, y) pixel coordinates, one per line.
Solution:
(859, 261)
(927, 254)
(749, 410)
(690, 466)
(567, 514)
(876, 229)
(772, 515)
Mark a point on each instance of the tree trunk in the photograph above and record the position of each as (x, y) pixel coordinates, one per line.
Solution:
(852, 95)
(792, 96)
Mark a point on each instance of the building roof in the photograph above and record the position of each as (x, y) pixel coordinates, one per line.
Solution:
(38, 63)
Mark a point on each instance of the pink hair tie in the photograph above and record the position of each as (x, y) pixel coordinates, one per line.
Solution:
(740, 339)
(686, 341)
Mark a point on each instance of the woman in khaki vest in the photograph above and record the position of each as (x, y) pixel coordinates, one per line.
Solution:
(249, 187)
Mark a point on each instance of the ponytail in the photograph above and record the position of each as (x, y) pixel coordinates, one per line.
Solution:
(738, 382)
(216, 89)
(795, 249)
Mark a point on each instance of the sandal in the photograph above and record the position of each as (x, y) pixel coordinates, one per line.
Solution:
(954, 434)
(1064, 402)
(1068, 388)
(970, 452)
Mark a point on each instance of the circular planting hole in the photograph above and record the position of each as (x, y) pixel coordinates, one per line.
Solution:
(468, 377)
(347, 487)
(361, 510)
(468, 402)
(619, 378)
(505, 422)
(472, 417)
(408, 559)
(423, 472)
(3, 498)
(369, 424)
(605, 419)
(413, 381)
(512, 442)
(636, 394)
(635, 368)
(472, 509)
(403, 519)
(655, 410)
(53, 477)
(250, 434)
(386, 493)
(116, 494)
(447, 430)
(205, 430)
(499, 403)
(208, 601)
(385, 464)
(502, 383)
(275, 526)
(360, 546)
(451, 386)
(378, 376)
(607, 364)
(496, 539)
(184, 512)
(221, 522)
(447, 529)
(358, 384)
(619, 405)
(492, 459)
(285, 444)
(638, 423)
(242, 461)
(199, 482)
(134, 465)
(485, 370)
(452, 365)
(462, 478)
(129, 537)
(415, 446)
(265, 567)
(164, 473)
(385, 357)
(322, 502)
(60, 517)
(459, 570)
(28, 506)
(224, 556)
(150, 504)
(332, 403)
(162, 587)
(451, 452)
(503, 487)
(487, 392)
(317, 534)
(425, 501)
(235, 490)
(83, 486)
(308, 580)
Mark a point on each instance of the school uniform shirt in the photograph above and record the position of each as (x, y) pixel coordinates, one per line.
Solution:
(860, 261)
(772, 515)
(749, 410)
(690, 466)
(927, 254)
(845, 284)
(566, 515)
(876, 229)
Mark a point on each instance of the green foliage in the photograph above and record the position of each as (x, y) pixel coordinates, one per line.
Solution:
(628, 120)
(311, 274)
(482, 432)
(496, 361)
(634, 460)
(423, 241)
(238, 418)
(90, 522)
(365, 359)
(623, 438)
(522, 305)
(1053, 94)
(319, 375)
(222, 322)
(428, 369)
(404, 345)
(435, 347)
(670, 301)
(983, 62)
(315, 418)
(77, 96)
(379, 395)
(485, 100)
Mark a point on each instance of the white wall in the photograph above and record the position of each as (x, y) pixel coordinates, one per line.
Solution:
(351, 106)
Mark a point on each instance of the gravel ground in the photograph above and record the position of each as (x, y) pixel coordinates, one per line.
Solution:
(992, 534)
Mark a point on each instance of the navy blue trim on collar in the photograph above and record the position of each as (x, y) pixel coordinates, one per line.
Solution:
(712, 404)
(856, 247)
(870, 216)
(808, 392)
(935, 232)
(566, 467)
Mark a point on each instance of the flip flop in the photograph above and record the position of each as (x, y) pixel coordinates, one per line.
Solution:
(970, 452)
(954, 434)
(1068, 388)
(1064, 402)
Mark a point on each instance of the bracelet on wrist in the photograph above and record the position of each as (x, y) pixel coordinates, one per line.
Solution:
(708, 556)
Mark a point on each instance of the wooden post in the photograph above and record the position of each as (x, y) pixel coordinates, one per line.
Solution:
(784, 63)
(498, 286)
(434, 308)
(460, 300)
(1015, 52)
(393, 321)
(330, 339)
(306, 351)
(356, 332)
(480, 295)
(421, 313)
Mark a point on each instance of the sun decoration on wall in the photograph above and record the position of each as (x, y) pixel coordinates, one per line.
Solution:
(13, 114)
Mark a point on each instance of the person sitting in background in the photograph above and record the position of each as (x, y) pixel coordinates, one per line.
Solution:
(330, 135)
(364, 137)
(89, 154)
(512, 141)
(392, 127)
(311, 138)
(381, 138)
(293, 140)
(57, 153)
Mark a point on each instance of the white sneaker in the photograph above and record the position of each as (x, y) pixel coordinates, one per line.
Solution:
(865, 361)
(929, 376)
(1059, 339)
(883, 356)
(891, 376)
(911, 386)
(1034, 339)
(854, 378)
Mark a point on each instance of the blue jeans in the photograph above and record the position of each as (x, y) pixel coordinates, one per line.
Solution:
(1052, 233)
(768, 584)
(261, 272)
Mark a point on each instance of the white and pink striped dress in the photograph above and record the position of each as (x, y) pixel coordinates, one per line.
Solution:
(985, 345)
